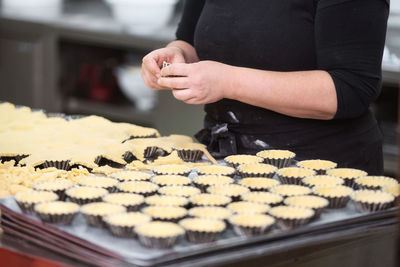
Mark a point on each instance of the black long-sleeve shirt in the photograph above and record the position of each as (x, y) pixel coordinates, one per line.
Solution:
(343, 37)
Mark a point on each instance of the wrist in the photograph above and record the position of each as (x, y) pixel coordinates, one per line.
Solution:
(230, 84)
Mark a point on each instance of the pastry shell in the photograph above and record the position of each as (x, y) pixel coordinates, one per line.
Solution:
(319, 165)
(159, 235)
(57, 212)
(293, 175)
(288, 218)
(26, 200)
(256, 170)
(251, 224)
(277, 157)
(258, 183)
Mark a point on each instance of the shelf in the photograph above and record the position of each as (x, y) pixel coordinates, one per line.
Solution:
(113, 112)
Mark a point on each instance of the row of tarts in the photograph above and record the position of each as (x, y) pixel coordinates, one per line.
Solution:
(250, 194)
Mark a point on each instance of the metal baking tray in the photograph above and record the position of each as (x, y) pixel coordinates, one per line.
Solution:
(97, 243)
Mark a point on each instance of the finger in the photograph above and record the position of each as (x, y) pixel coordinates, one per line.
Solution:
(174, 82)
(150, 80)
(183, 94)
(150, 63)
(176, 69)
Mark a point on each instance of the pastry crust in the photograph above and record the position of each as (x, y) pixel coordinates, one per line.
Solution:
(263, 198)
(218, 213)
(86, 192)
(170, 180)
(252, 220)
(255, 183)
(332, 191)
(296, 172)
(245, 207)
(59, 184)
(131, 176)
(317, 164)
(290, 190)
(393, 189)
(165, 212)
(372, 196)
(375, 182)
(127, 219)
(216, 170)
(322, 180)
(257, 169)
(101, 209)
(288, 212)
(124, 199)
(208, 180)
(57, 207)
(276, 154)
(159, 229)
(184, 191)
(203, 225)
(242, 159)
(176, 169)
(346, 173)
(164, 200)
(311, 202)
(138, 187)
(98, 181)
(32, 196)
(230, 190)
(210, 200)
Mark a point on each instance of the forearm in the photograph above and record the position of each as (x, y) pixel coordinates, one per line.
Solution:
(187, 49)
(303, 94)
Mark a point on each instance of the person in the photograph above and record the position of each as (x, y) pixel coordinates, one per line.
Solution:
(288, 74)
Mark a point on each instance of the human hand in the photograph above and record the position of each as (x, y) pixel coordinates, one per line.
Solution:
(198, 83)
(152, 62)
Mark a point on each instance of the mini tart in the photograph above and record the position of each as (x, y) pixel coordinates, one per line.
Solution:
(256, 170)
(163, 200)
(159, 235)
(374, 182)
(277, 157)
(101, 182)
(393, 189)
(318, 165)
(204, 181)
(85, 194)
(288, 217)
(288, 190)
(236, 160)
(216, 170)
(246, 207)
(190, 152)
(337, 195)
(258, 183)
(372, 200)
(293, 175)
(210, 200)
(58, 212)
(177, 169)
(94, 212)
(57, 186)
(263, 198)
(143, 188)
(126, 176)
(165, 213)
(217, 213)
(319, 180)
(178, 190)
(132, 202)
(123, 224)
(26, 200)
(318, 204)
(251, 224)
(202, 230)
(231, 190)
(347, 174)
(169, 180)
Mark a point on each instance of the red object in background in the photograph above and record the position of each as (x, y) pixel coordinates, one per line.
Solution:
(98, 81)
(11, 259)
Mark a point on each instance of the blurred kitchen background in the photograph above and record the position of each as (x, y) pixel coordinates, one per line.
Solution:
(84, 57)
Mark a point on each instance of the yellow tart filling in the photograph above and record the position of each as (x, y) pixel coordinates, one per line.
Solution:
(262, 197)
(202, 225)
(165, 212)
(171, 180)
(59, 184)
(218, 213)
(311, 202)
(289, 212)
(101, 209)
(376, 181)
(257, 168)
(177, 190)
(332, 191)
(258, 183)
(159, 229)
(248, 207)
(317, 164)
(276, 154)
(213, 180)
(295, 172)
(229, 190)
(346, 173)
(252, 220)
(131, 176)
(210, 200)
(138, 187)
(243, 159)
(290, 190)
(57, 207)
(322, 180)
(372, 196)
(165, 200)
(86, 192)
(32, 196)
(127, 219)
(124, 199)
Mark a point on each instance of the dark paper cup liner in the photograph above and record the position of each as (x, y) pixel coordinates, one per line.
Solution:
(129, 157)
(101, 161)
(83, 201)
(94, 220)
(289, 224)
(111, 189)
(250, 231)
(202, 187)
(16, 158)
(190, 155)
(350, 182)
(134, 207)
(279, 163)
(320, 172)
(122, 231)
(158, 242)
(172, 173)
(205, 173)
(201, 237)
(337, 202)
(248, 174)
(361, 186)
(61, 165)
(290, 180)
(369, 207)
(63, 219)
(154, 152)
(60, 193)
(28, 208)
(173, 220)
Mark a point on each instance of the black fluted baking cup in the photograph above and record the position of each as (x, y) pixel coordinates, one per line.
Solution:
(290, 224)
(63, 219)
(251, 231)
(251, 174)
(83, 201)
(94, 220)
(337, 202)
(370, 207)
(61, 165)
(290, 179)
(26, 207)
(172, 173)
(122, 231)
(201, 236)
(158, 242)
(191, 155)
(279, 163)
